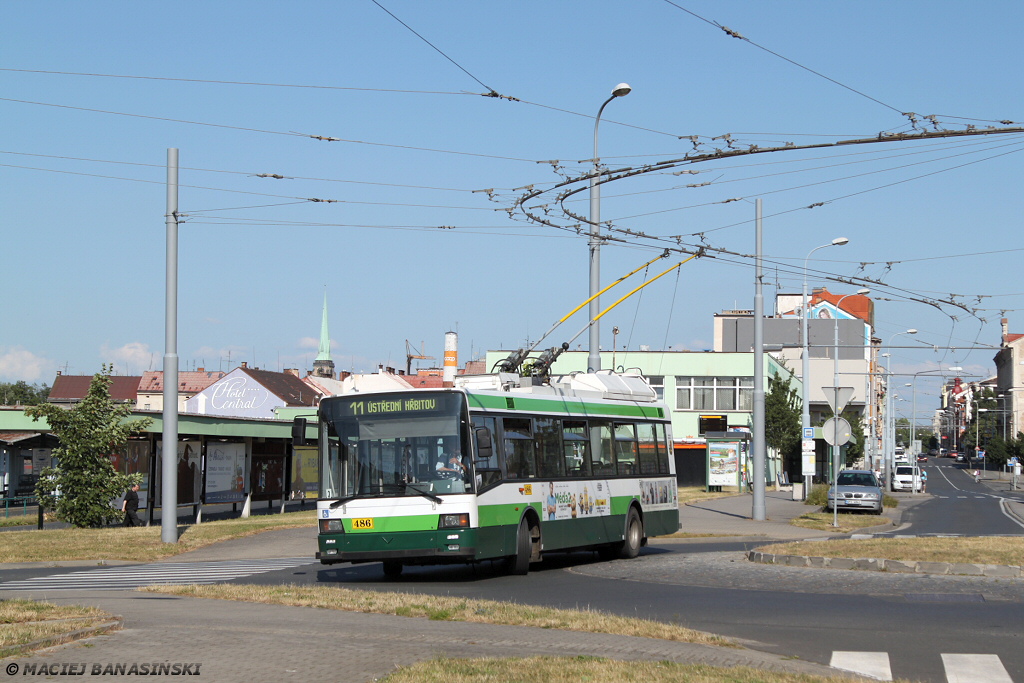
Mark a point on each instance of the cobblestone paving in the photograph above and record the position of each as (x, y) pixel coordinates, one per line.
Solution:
(732, 570)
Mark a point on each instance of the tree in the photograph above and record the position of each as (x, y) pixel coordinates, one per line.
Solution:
(855, 446)
(21, 393)
(83, 484)
(782, 420)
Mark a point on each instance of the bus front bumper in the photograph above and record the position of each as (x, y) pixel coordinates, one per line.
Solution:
(412, 547)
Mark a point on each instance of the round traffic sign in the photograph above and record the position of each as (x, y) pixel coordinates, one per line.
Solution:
(836, 431)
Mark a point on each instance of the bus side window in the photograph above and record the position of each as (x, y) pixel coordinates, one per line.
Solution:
(625, 448)
(486, 450)
(649, 453)
(548, 437)
(520, 459)
(576, 447)
(602, 450)
(664, 449)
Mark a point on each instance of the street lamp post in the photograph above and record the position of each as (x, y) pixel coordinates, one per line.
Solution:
(805, 421)
(594, 357)
(889, 440)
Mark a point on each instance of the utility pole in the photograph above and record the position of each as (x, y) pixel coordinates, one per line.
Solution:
(169, 439)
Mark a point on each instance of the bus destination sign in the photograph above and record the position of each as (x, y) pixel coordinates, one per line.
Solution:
(392, 406)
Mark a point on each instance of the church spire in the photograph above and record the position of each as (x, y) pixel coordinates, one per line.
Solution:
(323, 366)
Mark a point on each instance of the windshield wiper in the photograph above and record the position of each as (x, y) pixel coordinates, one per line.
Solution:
(425, 494)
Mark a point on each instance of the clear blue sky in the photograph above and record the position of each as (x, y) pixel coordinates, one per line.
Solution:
(412, 249)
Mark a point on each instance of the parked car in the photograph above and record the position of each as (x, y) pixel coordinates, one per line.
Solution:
(856, 490)
(906, 478)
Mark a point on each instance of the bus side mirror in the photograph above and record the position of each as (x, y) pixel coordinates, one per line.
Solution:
(484, 449)
(299, 431)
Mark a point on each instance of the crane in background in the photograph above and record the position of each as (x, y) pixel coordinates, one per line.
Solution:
(409, 355)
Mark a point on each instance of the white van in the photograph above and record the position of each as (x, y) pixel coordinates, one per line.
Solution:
(906, 478)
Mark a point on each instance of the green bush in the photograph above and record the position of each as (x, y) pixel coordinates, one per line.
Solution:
(818, 495)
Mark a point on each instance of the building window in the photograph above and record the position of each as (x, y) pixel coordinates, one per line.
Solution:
(714, 393)
(657, 383)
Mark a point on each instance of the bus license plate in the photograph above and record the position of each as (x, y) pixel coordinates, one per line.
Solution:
(362, 523)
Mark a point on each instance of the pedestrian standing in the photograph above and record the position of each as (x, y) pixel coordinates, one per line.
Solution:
(924, 481)
(130, 507)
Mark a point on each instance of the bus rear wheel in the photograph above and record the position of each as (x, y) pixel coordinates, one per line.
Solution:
(520, 562)
(392, 570)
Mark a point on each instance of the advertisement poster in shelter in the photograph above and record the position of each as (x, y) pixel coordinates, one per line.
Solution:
(225, 472)
(723, 463)
(134, 460)
(190, 475)
(304, 472)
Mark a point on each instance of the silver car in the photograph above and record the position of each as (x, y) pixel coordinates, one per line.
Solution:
(856, 490)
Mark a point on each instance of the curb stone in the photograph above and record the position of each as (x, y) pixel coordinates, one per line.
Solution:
(103, 628)
(897, 566)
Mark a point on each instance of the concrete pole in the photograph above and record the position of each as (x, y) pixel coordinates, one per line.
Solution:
(169, 465)
(758, 513)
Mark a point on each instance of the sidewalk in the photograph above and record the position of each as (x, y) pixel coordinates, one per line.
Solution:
(733, 516)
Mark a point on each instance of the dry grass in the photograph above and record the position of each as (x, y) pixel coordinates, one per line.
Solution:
(847, 522)
(594, 669)
(141, 544)
(695, 494)
(24, 621)
(1006, 550)
(444, 608)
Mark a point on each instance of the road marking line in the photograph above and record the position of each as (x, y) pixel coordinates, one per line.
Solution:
(975, 669)
(872, 664)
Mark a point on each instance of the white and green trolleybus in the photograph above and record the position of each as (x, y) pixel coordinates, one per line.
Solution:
(498, 467)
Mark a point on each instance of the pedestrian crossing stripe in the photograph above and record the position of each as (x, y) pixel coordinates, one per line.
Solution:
(872, 664)
(159, 573)
(959, 668)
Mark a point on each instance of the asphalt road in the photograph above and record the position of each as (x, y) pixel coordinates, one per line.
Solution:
(958, 505)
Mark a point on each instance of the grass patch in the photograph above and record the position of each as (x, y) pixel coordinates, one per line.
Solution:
(140, 544)
(445, 608)
(25, 621)
(848, 522)
(695, 494)
(576, 669)
(1006, 550)
(20, 520)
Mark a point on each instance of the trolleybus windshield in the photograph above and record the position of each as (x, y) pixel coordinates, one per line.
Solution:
(409, 444)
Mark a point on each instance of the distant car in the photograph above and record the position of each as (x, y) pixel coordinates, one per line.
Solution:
(922, 458)
(856, 490)
(934, 451)
(906, 478)
(960, 457)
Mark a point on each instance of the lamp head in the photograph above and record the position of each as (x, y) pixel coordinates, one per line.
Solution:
(864, 291)
(911, 331)
(840, 241)
(621, 90)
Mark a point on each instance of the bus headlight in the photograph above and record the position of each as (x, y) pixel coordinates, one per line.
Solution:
(331, 526)
(454, 521)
